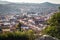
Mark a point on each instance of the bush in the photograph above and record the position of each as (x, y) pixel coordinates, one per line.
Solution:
(54, 26)
(16, 36)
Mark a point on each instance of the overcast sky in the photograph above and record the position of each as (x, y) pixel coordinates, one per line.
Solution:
(34, 1)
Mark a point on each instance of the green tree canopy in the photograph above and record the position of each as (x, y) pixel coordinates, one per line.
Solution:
(55, 19)
(17, 35)
(19, 26)
(54, 26)
(59, 8)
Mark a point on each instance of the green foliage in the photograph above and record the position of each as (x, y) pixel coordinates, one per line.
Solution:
(19, 26)
(18, 35)
(54, 26)
(53, 31)
(30, 34)
(59, 8)
(55, 19)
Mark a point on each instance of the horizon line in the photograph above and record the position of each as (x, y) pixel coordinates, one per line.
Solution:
(32, 2)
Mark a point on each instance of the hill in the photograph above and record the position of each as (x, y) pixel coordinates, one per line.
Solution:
(18, 8)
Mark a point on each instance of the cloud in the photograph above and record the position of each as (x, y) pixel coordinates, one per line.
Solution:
(33, 1)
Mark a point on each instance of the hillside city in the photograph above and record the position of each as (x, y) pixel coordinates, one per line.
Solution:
(29, 21)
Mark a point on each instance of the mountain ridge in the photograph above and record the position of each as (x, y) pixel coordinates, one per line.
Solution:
(16, 8)
(6, 2)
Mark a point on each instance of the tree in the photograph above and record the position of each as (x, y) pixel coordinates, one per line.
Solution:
(59, 8)
(30, 34)
(55, 19)
(19, 26)
(54, 26)
(17, 35)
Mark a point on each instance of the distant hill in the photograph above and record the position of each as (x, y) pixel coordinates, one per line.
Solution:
(4, 2)
(17, 8)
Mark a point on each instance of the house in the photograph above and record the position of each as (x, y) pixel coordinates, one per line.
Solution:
(5, 30)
